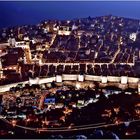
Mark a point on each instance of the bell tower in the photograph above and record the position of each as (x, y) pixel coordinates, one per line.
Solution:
(28, 58)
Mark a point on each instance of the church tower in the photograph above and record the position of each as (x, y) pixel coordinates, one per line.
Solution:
(28, 58)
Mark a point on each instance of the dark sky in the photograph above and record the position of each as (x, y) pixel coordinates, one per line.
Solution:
(19, 13)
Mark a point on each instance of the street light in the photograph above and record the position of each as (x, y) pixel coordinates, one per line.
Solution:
(14, 123)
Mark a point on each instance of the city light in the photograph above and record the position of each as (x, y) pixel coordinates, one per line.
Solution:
(80, 78)
(58, 78)
(78, 86)
(69, 77)
(104, 79)
(123, 80)
(14, 123)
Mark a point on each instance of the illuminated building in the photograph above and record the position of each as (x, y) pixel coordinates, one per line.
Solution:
(139, 87)
(64, 30)
(133, 36)
(27, 58)
(12, 42)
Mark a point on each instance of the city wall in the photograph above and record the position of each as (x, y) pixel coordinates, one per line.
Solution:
(67, 77)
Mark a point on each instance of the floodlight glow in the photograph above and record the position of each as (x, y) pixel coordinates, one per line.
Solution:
(104, 79)
(80, 102)
(58, 78)
(133, 36)
(78, 86)
(124, 80)
(138, 88)
(80, 78)
(33, 81)
(64, 32)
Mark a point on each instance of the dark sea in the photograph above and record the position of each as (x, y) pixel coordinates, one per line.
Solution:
(21, 13)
